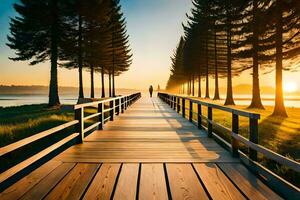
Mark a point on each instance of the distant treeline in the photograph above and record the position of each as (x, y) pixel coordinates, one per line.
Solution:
(224, 38)
(44, 90)
(86, 35)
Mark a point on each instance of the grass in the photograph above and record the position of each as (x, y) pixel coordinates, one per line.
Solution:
(281, 135)
(23, 121)
(19, 122)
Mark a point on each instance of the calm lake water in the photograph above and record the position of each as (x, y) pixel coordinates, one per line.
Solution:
(27, 99)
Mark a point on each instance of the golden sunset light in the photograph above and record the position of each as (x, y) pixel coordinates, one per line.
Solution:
(150, 99)
(290, 87)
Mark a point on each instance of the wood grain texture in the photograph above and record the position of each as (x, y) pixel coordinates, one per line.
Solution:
(40, 190)
(217, 184)
(26, 183)
(148, 132)
(251, 186)
(152, 182)
(127, 183)
(103, 183)
(75, 183)
(184, 183)
(26, 163)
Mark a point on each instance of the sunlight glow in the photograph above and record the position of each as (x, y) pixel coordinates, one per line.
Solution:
(290, 87)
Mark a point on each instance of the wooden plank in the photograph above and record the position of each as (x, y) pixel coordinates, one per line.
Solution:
(35, 137)
(217, 184)
(248, 183)
(103, 183)
(152, 182)
(22, 186)
(17, 168)
(184, 183)
(75, 183)
(127, 183)
(40, 190)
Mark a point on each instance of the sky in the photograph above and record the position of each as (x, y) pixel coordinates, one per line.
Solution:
(154, 27)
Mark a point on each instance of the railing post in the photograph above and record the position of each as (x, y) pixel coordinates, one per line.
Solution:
(119, 104)
(183, 107)
(253, 137)
(191, 111)
(122, 105)
(174, 103)
(235, 130)
(209, 124)
(199, 116)
(79, 114)
(101, 116)
(178, 104)
(126, 102)
(112, 109)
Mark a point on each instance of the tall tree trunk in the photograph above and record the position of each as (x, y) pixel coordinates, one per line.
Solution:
(217, 94)
(53, 88)
(207, 70)
(279, 109)
(256, 99)
(92, 82)
(109, 84)
(229, 96)
(199, 85)
(193, 86)
(81, 95)
(102, 83)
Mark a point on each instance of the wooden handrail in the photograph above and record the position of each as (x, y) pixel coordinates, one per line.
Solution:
(14, 146)
(251, 143)
(119, 105)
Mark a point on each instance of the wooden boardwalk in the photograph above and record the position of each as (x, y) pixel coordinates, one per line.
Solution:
(150, 152)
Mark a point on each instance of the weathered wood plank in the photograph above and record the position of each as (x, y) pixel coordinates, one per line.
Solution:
(184, 183)
(103, 183)
(40, 190)
(251, 186)
(217, 184)
(152, 182)
(75, 183)
(22, 186)
(127, 183)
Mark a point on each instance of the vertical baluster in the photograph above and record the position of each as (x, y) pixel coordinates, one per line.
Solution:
(199, 116)
(253, 137)
(183, 107)
(112, 109)
(235, 130)
(191, 111)
(101, 116)
(79, 114)
(178, 104)
(209, 121)
(122, 105)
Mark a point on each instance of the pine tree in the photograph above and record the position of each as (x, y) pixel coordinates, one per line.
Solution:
(283, 18)
(36, 34)
(121, 56)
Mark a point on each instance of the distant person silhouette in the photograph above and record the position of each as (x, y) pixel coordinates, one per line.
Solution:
(150, 90)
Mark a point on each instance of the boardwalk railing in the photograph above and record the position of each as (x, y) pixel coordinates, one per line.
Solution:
(115, 106)
(178, 103)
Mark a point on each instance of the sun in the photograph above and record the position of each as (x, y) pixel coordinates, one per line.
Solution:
(290, 87)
